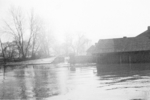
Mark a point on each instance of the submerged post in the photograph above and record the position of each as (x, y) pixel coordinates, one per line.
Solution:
(120, 59)
(130, 59)
(3, 52)
(72, 59)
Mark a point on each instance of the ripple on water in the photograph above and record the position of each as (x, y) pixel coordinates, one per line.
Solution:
(58, 82)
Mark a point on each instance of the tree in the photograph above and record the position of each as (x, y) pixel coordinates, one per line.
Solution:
(24, 31)
(46, 41)
(16, 27)
(82, 44)
(76, 44)
(10, 50)
(35, 27)
(68, 45)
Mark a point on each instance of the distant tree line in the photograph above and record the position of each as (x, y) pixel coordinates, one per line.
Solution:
(31, 38)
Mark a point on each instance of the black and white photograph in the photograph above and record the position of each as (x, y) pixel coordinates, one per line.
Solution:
(74, 49)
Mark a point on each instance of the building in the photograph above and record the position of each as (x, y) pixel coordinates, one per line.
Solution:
(123, 50)
(9, 49)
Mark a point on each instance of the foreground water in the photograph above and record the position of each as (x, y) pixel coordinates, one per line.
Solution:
(81, 82)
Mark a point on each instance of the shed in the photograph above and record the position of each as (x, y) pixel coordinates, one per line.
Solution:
(123, 50)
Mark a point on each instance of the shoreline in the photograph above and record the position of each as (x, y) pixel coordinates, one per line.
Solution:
(32, 62)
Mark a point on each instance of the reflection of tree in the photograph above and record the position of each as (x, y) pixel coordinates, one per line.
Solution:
(31, 82)
(21, 81)
(37, 82)
(45, 82)
(10, 87)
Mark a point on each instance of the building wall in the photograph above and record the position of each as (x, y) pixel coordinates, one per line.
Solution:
(82, 59)
(124, 57)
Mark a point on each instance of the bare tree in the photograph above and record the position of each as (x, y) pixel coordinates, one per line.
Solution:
(16, 27)
(10, 50)
(77, 44)
(82, 44)
(25, 32)
(69, 44)
(46, 40)
(35, 28)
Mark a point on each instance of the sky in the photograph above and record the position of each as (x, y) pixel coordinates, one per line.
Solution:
(97, 19)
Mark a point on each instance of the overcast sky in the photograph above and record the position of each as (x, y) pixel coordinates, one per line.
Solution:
(98, 19)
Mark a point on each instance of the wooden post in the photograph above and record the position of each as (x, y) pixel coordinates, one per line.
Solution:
(130, 59)
(2, 51)
(120, 59)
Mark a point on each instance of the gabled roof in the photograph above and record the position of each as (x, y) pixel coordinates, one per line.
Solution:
(123, 45)
(138, 43)
(145, 33)
(91, 49)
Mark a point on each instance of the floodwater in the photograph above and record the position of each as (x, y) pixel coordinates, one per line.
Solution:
(80, 82)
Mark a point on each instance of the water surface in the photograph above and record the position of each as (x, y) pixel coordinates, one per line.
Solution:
(80, 82)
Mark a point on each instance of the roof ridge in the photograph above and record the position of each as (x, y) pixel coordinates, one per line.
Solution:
(119, 38)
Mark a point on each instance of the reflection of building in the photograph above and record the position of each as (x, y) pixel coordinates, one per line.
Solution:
(123, 70)
(123, 50)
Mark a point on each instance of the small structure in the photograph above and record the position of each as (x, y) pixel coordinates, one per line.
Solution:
(123, 50)
(72, 59)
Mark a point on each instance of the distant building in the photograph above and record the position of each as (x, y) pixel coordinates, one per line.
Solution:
(9, 49)
(123, 50)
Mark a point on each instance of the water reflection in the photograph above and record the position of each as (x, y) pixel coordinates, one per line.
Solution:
(28, 82)
(81, 82)
(123, 70)
(132, 77)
